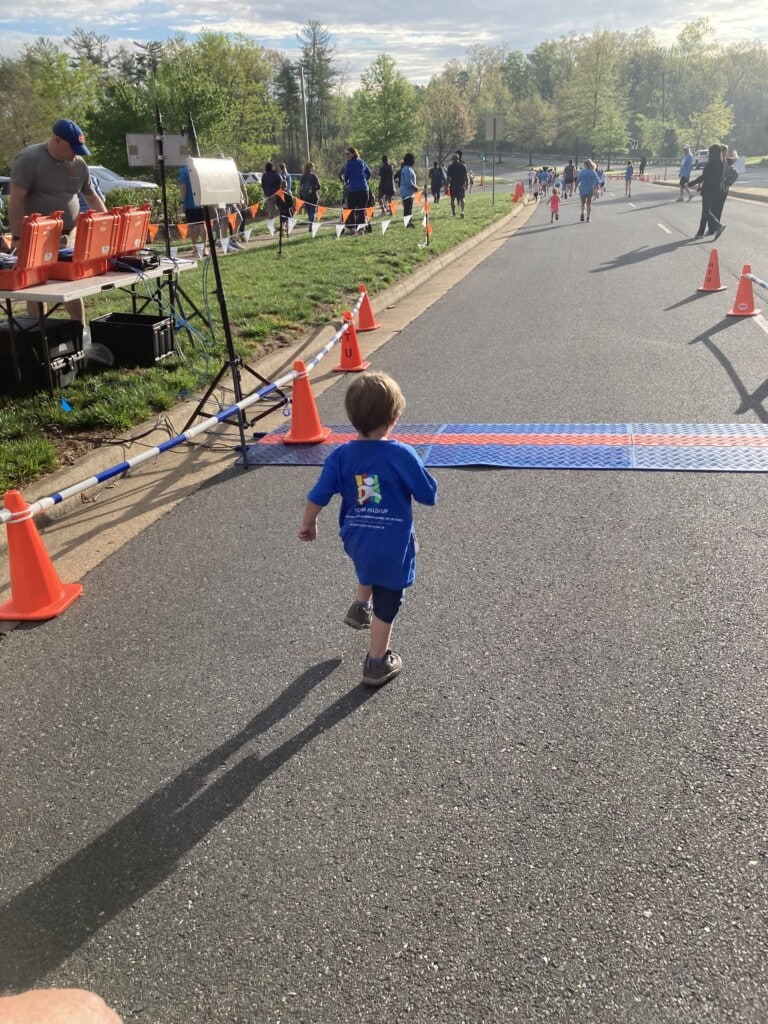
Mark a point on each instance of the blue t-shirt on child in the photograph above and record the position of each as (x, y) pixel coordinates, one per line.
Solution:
(376, 481)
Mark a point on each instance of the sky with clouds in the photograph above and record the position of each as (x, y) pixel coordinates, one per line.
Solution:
(420, 45)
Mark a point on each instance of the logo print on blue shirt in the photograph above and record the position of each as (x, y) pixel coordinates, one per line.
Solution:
(367, 488)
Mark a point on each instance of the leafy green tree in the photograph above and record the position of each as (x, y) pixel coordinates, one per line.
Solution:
(386, 116)
(447, 119)
(38, 88)
(320, 79)
(713, 124)
(532, 124)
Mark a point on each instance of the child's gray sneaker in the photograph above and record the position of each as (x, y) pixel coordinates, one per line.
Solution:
(358, 616)
(376, 673)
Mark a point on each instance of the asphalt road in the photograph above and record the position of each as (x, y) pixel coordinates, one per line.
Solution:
(556, 813)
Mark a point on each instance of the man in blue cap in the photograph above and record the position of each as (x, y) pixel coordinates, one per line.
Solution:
(47, 177)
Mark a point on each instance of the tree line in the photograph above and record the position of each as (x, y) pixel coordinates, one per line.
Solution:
(578, 95)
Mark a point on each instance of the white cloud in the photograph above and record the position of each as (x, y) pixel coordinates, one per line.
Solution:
(420, 46)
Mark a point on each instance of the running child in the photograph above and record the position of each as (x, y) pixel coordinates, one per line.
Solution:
(554, 205)
(376, 477)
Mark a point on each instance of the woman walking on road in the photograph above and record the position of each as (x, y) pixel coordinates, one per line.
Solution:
(587, 180)
(711, 182)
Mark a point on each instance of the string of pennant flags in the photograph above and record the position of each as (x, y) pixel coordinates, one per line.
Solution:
(320, 211)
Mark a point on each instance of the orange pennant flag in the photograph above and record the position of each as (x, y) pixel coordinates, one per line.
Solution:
(280, 194)
(254, 209)
(7, 239)
(298, 204)
(233, 219)
(418, 196)
(426, 207)
(152, 230)
(429, 229)
(345, 215)
(320, 211)
(393, 207)
(369, 212)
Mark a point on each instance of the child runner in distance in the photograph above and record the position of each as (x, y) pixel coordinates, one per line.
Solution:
(376, 477)
(554, 205)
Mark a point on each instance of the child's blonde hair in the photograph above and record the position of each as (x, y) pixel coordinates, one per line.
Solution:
(372, 401)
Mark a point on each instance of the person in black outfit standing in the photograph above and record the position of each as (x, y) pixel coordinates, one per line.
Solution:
(711, 182)
(386, 184)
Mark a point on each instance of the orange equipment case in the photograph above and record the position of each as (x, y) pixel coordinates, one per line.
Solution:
(37, 252)
(94, 244)
(133, 224)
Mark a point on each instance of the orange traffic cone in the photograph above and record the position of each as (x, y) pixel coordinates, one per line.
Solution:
(366, 321)
(36, 591)
(306, 427)
(712, 276)
(745, 299)
(351, 359)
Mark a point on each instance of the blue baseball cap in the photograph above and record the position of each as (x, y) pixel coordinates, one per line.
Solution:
(73, 134)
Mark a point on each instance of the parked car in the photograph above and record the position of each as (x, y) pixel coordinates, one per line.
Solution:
(252, 177)
(5, 186)
(111, 179)
(702, 155)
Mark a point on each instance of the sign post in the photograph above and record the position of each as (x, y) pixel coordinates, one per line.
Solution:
(494, 128)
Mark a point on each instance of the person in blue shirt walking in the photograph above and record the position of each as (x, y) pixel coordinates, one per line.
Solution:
(686, 166)
(376, 477)
(587, 180)
(356, 174)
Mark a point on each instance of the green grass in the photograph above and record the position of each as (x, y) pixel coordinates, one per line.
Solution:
(271, 299)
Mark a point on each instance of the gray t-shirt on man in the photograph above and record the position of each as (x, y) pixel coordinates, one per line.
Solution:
(51, 184)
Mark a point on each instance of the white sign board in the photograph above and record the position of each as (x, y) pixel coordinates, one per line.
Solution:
(214, 182)
(494, 127)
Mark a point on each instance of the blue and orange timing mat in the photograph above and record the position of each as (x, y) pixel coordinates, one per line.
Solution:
(714, 447)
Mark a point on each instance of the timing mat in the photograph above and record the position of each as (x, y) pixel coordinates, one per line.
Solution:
(715, 447)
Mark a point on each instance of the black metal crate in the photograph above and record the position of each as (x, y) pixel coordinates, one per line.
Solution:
(133, 338)
(28, 373)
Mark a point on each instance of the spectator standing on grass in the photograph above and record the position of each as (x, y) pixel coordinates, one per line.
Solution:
(587, 182)
(193, 215)
(271, 183)
(710, 183)
(356, 174)
(458, 179)
(643, 162)
(223, 213)
(309, 187)
(437, 179)
(386, 184)
(408, 187)
(47, 177)
(686, 165)
(377, 478)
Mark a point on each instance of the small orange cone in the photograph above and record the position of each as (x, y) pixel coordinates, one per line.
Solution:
(366, 321)
(36, 591)
(745, 299)
(306, 427)
(351, 358)
(712, 276)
